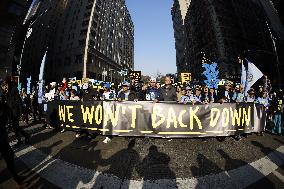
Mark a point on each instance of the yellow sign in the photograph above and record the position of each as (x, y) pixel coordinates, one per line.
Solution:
(185, 77)
(85, 80)
(135, 75)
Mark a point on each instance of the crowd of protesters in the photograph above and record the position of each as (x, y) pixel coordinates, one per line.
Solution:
(22, 105)
(186, 93)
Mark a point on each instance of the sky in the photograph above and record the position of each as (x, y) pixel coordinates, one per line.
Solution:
(154, 44)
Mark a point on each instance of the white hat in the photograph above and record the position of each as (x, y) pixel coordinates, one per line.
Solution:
(153, 79)
(85, 86)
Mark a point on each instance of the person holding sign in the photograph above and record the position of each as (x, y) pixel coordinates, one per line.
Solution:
(168, 92)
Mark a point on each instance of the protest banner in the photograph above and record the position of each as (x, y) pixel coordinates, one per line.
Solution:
(159, 119)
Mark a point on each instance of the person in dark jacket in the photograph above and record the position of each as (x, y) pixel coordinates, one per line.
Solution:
(224, 94)
(25, 106)
(5, 148)
(90, 94)
(126, 94)
(168, 92)
(13, 100)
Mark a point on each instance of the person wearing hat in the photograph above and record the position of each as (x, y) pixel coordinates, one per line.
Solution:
(152, 93)
(251, 96)
(187, 96)
(126, 94)
(168, 92)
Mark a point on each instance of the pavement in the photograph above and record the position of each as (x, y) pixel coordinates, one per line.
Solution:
(59, 160)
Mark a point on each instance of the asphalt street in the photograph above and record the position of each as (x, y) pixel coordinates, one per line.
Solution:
(59, 160)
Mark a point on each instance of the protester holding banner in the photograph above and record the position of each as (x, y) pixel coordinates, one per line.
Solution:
(73, 95)
(89, 94)
(187, 96)
(152, 93)
(168, 92)
(126, 94)
(224, 93)
(207, 97)
(251, 96)
(197, 96)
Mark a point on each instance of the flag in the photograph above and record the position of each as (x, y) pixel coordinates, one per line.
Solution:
(244, 75)
(252, 75)
(41, 81)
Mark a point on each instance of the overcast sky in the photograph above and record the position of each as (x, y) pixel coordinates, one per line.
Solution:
(154, 36)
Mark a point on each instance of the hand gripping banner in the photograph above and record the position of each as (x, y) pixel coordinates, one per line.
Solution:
(170, 120)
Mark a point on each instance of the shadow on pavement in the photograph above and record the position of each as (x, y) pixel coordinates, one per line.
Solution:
(155, 166)
(122, 165)
(205, 166)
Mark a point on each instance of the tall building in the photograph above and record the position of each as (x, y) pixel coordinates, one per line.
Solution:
(225, 30)
(83, 38)
(178, 12)
(12, 14)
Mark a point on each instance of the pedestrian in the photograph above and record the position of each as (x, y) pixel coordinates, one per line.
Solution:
(5, 148)
(13, 100)
(187, 96)
(277, 107)
(197, 95)
(168, 92)
(35, 108)
(73, 95)
(25, 103)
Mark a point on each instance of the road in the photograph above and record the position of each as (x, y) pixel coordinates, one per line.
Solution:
(59, 160)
